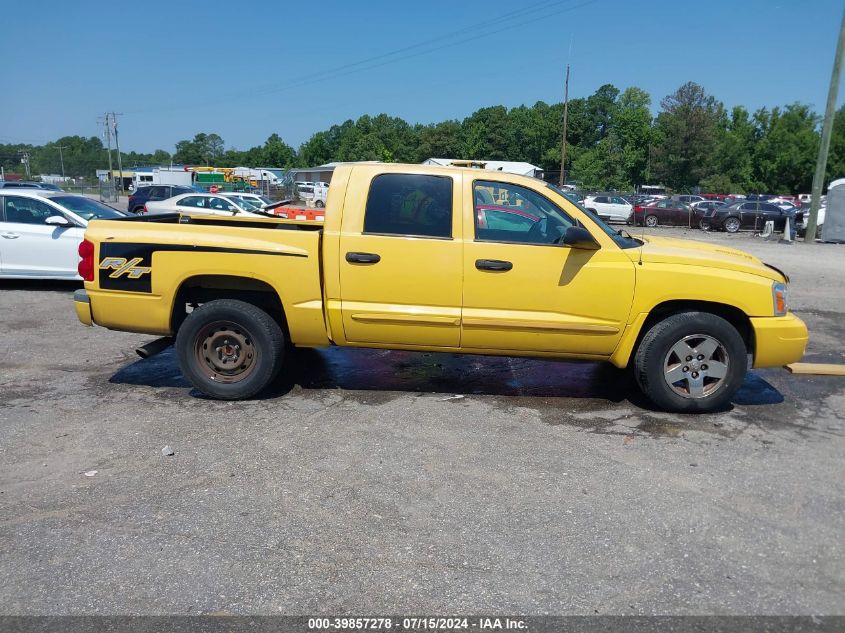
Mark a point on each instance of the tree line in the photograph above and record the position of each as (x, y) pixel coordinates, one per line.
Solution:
(613, 142)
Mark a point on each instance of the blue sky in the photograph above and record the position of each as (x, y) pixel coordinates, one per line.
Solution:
(246, 70)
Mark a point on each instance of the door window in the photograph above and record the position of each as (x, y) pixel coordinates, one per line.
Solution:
(527, 218)
(617, 200)
(221, 204)
(27, 210)
(407, 204)
(192, 201)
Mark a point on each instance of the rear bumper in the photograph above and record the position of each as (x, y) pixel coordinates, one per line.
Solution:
(82, 304)
(778, 340)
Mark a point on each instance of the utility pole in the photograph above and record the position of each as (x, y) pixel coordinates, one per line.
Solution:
(107, 132)
(62, 159)
(827, 127)
(114, 116)
(25, 161)
(563, 142)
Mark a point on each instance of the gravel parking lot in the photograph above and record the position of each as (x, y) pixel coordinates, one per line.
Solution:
(395, 482)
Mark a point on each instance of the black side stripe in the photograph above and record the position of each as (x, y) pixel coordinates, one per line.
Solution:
(143, 254)
(189, 248)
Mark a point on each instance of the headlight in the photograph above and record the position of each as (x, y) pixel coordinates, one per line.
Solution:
(779, 299)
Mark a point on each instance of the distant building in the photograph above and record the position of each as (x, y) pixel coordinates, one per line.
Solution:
(321, 173)
(512, 167)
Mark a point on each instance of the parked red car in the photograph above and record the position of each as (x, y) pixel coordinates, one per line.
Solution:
(666, 212)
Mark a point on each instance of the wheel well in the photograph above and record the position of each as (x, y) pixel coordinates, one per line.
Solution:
(731, 314)
(204, 288)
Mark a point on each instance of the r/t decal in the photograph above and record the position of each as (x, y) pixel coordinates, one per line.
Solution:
(121, 266)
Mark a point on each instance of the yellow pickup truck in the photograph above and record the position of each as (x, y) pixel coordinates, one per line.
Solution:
(439, 259)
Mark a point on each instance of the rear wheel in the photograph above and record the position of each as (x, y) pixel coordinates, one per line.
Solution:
(651, 220)
(731, 225)
(704, 225)
(319, 204)
(138, 209)
(230, 349)
(690, 362)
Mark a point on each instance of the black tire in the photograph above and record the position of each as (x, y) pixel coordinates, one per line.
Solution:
(255, 341)
(138, 209)
(656, 349)
(319, 204)
(704, 225)
(731, 225)
(651, 221)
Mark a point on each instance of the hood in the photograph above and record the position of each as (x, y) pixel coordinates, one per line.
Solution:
(670, 250)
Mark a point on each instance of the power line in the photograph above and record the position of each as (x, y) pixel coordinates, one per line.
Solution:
(366, 64)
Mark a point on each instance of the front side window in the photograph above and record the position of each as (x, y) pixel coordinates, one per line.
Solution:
(221, 204)
(27, 210)
(86, 208)
(408, 204)
(510, 213)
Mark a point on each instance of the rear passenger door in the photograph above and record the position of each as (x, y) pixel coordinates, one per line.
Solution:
(400, 261)
(748, 215)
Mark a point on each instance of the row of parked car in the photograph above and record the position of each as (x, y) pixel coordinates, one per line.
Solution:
(693, 211)
(181, 199)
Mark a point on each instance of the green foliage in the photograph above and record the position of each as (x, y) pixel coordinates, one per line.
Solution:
(688, 129)
(613, 142)
(785, 155)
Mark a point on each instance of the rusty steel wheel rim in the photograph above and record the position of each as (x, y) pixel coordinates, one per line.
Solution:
(225, 352)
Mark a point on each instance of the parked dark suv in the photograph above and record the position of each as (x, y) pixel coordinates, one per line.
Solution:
(154, 192)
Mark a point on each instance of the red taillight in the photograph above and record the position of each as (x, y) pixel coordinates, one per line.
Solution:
(86, 264)
(638, 209)
(146, 210)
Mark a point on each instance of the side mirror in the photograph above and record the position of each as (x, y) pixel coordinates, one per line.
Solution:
(57, 220)
(579, 237)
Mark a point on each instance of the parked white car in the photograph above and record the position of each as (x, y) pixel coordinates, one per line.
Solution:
(200, 204)
(609, 207)
(40, 232)
(803, 216)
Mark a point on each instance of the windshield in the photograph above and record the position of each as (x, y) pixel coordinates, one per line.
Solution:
(621, 240)
(86, 208)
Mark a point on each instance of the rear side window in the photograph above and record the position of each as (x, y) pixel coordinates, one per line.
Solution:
(193, 201)
(407, 204)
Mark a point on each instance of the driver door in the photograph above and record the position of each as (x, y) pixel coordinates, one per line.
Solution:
(523, 291)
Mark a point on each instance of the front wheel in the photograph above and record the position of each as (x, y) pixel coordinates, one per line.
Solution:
(690, 362)
(704, 225)
(230, 349)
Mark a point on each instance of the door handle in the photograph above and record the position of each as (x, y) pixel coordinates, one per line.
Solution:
(11, 236)
(493, 264)
(363, 258)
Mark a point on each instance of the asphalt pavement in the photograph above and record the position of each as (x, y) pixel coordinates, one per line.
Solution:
(397, 482)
